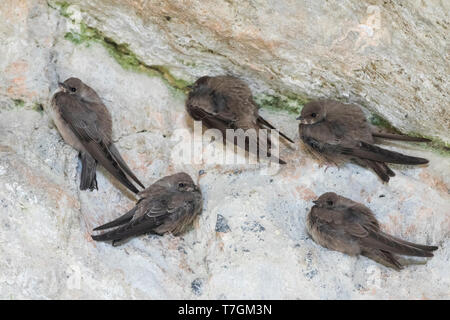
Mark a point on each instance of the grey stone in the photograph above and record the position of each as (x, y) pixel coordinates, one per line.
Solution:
(222, 224)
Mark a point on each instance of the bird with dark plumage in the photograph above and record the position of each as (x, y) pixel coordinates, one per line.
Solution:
(84, 122)
(169, 205)
(340, 224)
(338, 132)
(226, 102)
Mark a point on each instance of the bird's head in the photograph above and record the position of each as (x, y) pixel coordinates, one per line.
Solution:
(75, 86)
(201, 82)
(181, 182)
(71, 85)
(312, 112)
(327, 200)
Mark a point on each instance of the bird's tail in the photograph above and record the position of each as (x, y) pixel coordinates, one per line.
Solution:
(422, 247)
(400, 137)
(381, 169)
(107, 156)
(382, 241)
(384, 257)
(371, 152)
(107, 236)
(88, 178)
(135, 227)
(123, 165)
(267, 145)
(119, 221)
(267, 124)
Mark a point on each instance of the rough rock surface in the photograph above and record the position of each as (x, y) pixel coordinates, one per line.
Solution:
(392, 57)
(250, 241)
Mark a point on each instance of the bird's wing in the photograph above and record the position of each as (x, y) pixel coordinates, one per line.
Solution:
(382, 241)
(347, 123)
(337, 222)
(123, 165)
(359, 213)
(119, 221)
(362, 150)
(158, 215)
(330, 229)
(181, 209)
(145, 217)
(214, 114)
(84, 124)
(232, 86)
(376, 239)
(104, 123)
(368, 151)
(81, 120)
(384, 257)
(104, 120)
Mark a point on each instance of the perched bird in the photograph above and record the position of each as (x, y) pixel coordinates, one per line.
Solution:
(226, 102)
(84, 122)
(169, 205)
(339, 132)
(340, 224)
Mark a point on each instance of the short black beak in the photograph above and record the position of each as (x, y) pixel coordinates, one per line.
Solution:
(315, 201)
(300, 118)
(190, 87)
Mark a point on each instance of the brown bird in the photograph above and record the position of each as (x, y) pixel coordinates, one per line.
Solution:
(167, 206)
(340, 224)
(226, 102)
(84, 122)
(339, 132)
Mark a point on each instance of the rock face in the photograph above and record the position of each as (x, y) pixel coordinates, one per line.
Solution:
(391, 57)
(250, 241)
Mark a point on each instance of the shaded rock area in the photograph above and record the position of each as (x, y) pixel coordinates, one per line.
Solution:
(250, 240)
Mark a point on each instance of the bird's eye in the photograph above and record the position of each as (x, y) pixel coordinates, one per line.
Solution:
(313, 115)
(329, 202)
(73, 89)
(181, 185)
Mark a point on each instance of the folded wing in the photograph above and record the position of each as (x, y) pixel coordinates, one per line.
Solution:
(83, 123)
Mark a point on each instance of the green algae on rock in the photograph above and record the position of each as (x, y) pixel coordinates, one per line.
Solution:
(19, 102)
(119, 51)
(292, 103)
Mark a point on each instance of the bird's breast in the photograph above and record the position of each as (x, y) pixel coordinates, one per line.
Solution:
(64, 129)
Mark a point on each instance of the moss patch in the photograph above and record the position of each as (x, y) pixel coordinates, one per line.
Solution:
(28, 105)
(85, 35)
(63, 8)
(290, 103)
(119, 51)
(436, 144)
(19, 103)
(124, 56)
(379, 121)
(38, 107)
